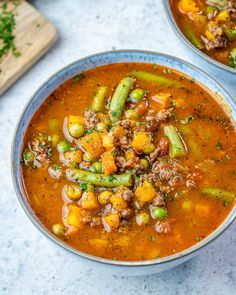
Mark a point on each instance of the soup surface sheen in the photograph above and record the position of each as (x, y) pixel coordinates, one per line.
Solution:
(130, 161)
(210, 26)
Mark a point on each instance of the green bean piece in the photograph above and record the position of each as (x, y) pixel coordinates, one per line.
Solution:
(58, 229)
(28, 158)
(100, 179)
(159, 213)
(230, 34)
(210, 9)
(177, 148)
(192, 37)
(99, 99)
(63, 146)
(137, 94)
(219, 194)
(97, 167)
(119, 97)
(89, 187)
(160, 80)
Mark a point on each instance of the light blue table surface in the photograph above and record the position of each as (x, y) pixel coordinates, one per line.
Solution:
(31, 264)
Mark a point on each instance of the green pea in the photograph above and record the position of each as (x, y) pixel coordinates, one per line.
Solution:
(97, 167)
(88, 157)
(233, 53)
(210, 9)
(144, 163)
(159, 213)
(131, 114)
(231, 34)
(142, 218)
(58, 229)
(88, 187)
(28, 158)
(149, 149)
(137, 94)
(76, 130)
(63, 146)
(101, 127)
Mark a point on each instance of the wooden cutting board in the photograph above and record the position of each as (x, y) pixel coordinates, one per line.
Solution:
(34, 35)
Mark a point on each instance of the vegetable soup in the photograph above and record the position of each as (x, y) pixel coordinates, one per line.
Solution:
(210, 25)
(130, 161)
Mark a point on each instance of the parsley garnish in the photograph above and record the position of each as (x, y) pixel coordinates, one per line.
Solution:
(187, 120)
(219, 146)
(7, 26)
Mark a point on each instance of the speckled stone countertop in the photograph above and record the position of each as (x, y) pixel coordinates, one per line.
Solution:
(30, 263)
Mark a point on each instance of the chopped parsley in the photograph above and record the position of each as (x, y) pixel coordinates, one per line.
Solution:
(219, 146)
(187, 120)
(7, 26)
(56, 167)
(77, 78)
(152, 238)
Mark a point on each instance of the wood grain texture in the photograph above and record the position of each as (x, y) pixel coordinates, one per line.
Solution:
(34, 35)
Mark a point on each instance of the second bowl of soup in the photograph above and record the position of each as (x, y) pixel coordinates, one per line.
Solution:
(209, 27)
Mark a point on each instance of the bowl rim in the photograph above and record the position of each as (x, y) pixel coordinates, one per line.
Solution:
(118, 263)
(176, 29)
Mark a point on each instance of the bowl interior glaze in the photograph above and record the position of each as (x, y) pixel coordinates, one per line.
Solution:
(80, 66)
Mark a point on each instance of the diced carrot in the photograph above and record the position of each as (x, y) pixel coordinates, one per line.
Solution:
(74, 156)
(188, 6)
(118, 202)
(145, 193)
(108, 163)
(119, 131)
(130, 155)
(112, 220)
(123, 241)
(223, 16)
(104, 118)
(142, 108)
(98, 243)
(89, 201)
(107, 141)
(74, 216)
(141, 140)
(209, 35)
(92, 143)
(163, 99)
(72, 231)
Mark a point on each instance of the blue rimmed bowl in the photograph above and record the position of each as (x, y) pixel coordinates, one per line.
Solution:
(210, 63)
(84, 64)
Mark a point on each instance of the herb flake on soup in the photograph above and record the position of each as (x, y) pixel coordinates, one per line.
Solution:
(210, 26)
(130, 161)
